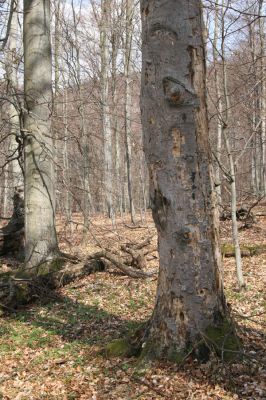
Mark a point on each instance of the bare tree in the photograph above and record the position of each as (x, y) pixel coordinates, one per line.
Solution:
(189, 295)
(40, 234)
(128, 101)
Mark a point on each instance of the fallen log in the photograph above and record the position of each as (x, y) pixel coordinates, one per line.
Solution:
(18, 287)
(119, 263)
(228, 250)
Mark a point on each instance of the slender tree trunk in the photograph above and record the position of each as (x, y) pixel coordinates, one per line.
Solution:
(57, 47)
(143, 184)
(254, 120)
(115, 40)
(189, 296)
(106, 124)
(83, 131)
(219, 106)
(13, 107)
(262, 96)
(5, 192)
(40, 233)
(128, 103)
(225, 117)
(66, 176)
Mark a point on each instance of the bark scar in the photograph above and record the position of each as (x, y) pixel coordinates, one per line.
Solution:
(159, 206)
(178, 94)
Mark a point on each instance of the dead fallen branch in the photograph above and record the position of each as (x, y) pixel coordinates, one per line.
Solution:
(119, 263)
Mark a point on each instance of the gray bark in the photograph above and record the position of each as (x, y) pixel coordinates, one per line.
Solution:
(66, 175)
(225, 117)
(219, 105)
(174, 116)
(106, 123)
(83, 131)
(5, 192)
(13, 106)
(128, 104)
(262, 97)
(40, 234)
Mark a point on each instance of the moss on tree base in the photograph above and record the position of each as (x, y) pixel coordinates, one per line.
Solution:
(120, 348)
(220, 340)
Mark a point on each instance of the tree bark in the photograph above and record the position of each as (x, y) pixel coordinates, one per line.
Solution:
(262, 97)
(128, 104)
(219, 106)
(229, 151)
(106, 123)
(13, 107)
(189, 296)
(40, 233)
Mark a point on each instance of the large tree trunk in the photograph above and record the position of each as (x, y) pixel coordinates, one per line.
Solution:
(190, 300)
(40, 234)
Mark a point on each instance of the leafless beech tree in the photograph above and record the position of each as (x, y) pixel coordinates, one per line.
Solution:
(174, 115)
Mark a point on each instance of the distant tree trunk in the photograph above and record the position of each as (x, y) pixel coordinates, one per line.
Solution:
(225, 118)
(13, 106)
(143, 184)
(219, 106)
(56, 95)
(66, 175)
(106, 124)
(83, 131)
(5, 192)
(262, 96)
(128, 103)
(254, 123)
(40, 234)
(115, 41)
(190, 296)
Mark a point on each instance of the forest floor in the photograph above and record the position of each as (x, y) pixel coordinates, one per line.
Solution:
(54, 349)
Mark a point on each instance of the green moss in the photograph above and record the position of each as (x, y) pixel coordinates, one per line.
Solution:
(150, 351)
(227, 248)
(50, 266)
(223, 340)
(22, 293)
(177, 355)
(21, 273)
(246, 250)
(119, 348)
